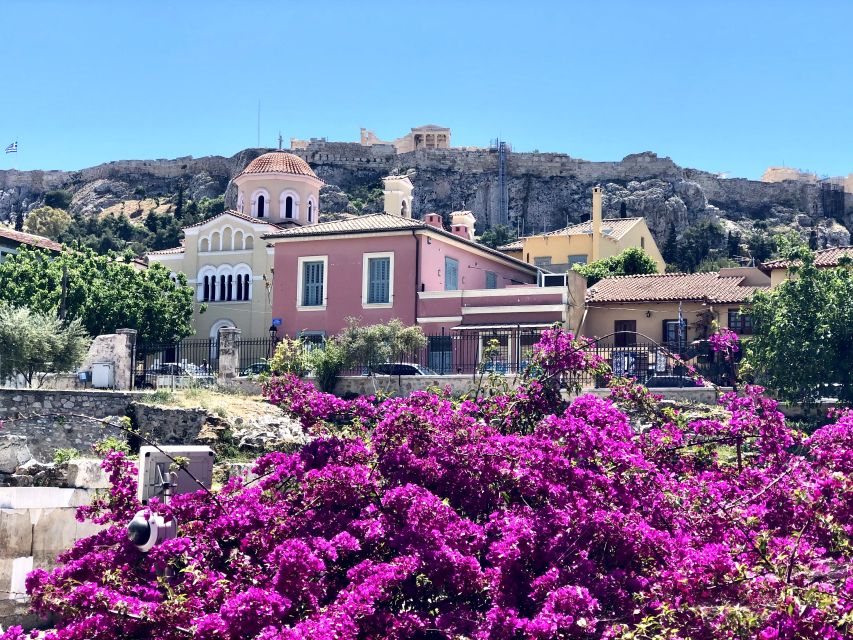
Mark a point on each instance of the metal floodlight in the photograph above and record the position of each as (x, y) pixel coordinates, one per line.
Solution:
(155, 468)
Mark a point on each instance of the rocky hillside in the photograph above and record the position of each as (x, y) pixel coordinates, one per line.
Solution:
(543, 191)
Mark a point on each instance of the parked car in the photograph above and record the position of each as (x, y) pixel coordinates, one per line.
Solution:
(657, 382)
(401, 369)
(183, 375)
(255, 369)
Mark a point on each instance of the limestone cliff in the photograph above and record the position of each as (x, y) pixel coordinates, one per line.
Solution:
(543, 191)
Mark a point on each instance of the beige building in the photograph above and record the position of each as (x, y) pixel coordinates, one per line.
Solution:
(778, 270)
(224, 257)
(558, 251)
(639, 308)
(398, 195)
(428, 136)
(781, 174)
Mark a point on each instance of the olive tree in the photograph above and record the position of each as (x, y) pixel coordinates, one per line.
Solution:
(34, 344)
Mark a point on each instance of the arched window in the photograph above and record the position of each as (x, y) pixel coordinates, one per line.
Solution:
(222, 287)
(403, 209)
(206, 289)
(260, 206)
(310, 211)
(238, 240)
(288, 207)
(249, 243)
(230, 286)
(204, 244)
(239, 287)
(213, 288)
(246, 295)
(260, 203)
(215, 242)
(226, 239)
(240, 202)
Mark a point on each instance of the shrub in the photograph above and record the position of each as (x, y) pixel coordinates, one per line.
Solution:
(513, 516)
(326, 364)
(290, 357)
(61, 456)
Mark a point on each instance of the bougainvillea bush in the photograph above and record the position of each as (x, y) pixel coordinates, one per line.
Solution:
(520, 515)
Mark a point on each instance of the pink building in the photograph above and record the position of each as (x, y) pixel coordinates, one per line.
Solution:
(379, 267)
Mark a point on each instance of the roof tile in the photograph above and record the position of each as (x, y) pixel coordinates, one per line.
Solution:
(671, 287)
(279, 162)
(30, 239)
(823, 258)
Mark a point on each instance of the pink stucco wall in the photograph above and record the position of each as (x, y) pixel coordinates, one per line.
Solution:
(472, 267)
(344, 283)
(344, 279)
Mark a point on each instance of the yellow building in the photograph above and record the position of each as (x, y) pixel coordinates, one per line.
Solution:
(558, 251)
(224, 258)
(646, 307)
(778, 270)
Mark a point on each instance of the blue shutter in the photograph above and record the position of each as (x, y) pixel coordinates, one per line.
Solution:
(491, 280)
(378, 280)
(451, 274)
(312, 284)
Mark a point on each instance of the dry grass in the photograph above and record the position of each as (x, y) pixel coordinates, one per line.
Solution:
(219, 403)
(138, 210)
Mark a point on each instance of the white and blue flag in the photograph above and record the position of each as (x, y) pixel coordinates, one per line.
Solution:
(12, 148)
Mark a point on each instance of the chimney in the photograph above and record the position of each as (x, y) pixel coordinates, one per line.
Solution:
(596, 222)
(434, 220)
(462, 224)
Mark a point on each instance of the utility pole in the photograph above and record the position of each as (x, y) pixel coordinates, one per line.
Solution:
(64, 294)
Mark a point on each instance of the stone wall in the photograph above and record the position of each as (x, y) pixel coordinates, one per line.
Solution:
(36, 525)
(45, 417)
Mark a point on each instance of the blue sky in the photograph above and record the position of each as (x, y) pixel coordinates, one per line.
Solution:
(722, 86)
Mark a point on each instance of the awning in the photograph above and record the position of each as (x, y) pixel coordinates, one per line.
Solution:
(505, 326)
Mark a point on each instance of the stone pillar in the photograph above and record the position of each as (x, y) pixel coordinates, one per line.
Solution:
(124, 364)
(229, 353)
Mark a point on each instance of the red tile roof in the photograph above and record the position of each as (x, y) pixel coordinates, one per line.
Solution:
(29, 239)
(164, 252)
(610, 228)
(236, 214)
(823, 258)
(279, 162)
(671, 287)
(379, 223)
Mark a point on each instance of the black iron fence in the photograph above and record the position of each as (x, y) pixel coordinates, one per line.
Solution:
(185, 363)
(467, 352)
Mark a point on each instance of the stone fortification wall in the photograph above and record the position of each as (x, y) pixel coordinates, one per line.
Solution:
(545, 191)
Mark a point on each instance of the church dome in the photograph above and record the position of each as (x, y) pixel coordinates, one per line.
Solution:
(279, 162)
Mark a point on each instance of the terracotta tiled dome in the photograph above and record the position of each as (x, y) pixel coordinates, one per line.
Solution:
(279, 162)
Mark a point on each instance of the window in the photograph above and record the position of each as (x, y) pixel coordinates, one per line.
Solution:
(378, 280)
(542, 262)
(740, 322)
(310, 211)
(625, 333)
(288, 207)
(246, 289)
(451, 274)
(642, 242)
(577, 259)
(491, 280)
(260, 206)
(222, 289)
(672, 339)
(313, 289)
(206, 296)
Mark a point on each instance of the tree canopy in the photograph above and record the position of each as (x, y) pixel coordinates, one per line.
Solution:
(804, 333)
(48, 222)
(34, 344)
(630, 262)
(104, 292)
(498, 235)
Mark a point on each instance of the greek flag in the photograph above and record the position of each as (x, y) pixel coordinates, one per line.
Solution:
(12, 148)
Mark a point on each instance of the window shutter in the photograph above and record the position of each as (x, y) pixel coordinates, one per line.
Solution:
(379, 280)
(312, 290)
(451, 274)
(491, 280)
